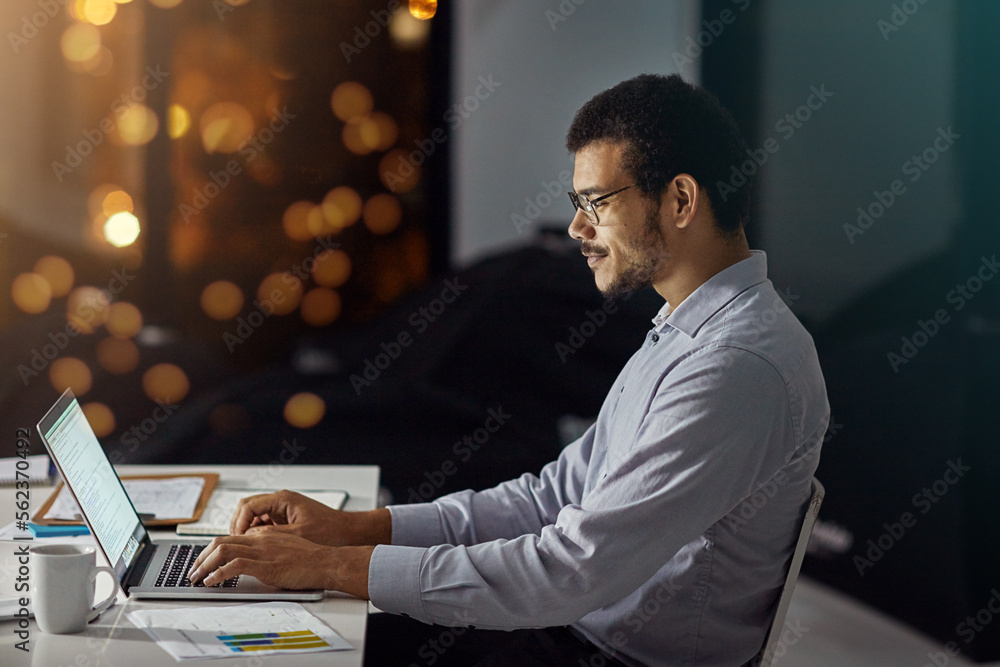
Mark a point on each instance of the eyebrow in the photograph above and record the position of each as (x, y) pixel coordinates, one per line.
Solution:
(591, 191)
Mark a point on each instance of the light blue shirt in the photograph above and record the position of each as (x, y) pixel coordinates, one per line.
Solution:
(664, 533)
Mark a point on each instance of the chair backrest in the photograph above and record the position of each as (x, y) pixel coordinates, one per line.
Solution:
(766, 654)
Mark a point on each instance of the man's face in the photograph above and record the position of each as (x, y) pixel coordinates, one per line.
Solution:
(627, 250)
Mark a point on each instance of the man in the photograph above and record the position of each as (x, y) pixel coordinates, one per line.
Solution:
(649, 537)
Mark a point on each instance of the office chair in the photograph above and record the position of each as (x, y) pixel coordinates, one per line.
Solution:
(766, 655)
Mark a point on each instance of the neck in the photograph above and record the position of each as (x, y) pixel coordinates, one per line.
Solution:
(691, 271)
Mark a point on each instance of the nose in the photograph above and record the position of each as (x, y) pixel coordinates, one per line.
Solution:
(579, 228)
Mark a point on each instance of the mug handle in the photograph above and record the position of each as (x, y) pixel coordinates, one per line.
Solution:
(98, 609)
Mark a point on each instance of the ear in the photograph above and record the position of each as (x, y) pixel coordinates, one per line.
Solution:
(682, 199)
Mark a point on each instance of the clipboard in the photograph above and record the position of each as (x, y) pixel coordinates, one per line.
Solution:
(211, 480)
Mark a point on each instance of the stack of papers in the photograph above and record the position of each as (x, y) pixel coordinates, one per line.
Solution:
(169, 498)
(198, 633)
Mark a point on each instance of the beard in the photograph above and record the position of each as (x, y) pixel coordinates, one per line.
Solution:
(641, 259)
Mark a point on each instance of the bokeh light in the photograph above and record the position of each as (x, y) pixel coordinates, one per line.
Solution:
(333, 268)
(388, 131)
(351, 101)
(382, 213)
(137, 125)
(87, 308)
(295, 220)
(31, 293)
(70, 373)
(95, 200)
(304, 410)
(178, 121)
(222, 300)
(353, 140)
(101, 63)
(407, 31)
(341, 207)
(423, 9)
(320, 306)
(98, 12)
(166, 383)
(117, 355)
(100, 418)
(225, 126)
(283, 291)
(80, 42)
(398, 172)
(124, 320)
(58, 273)
(121, 229)
(117, 201)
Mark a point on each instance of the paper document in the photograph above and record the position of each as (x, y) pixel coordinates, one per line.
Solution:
(222, 505)
(171, 498)
(197, 633)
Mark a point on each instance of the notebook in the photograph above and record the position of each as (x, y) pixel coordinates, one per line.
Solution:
(145, 569)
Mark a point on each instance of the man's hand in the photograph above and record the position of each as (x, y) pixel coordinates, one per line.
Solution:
(286, 561)
(294, 514)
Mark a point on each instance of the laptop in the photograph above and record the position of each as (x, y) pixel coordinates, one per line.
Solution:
(145, 569)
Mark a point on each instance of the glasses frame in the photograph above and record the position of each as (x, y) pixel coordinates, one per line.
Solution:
(585, 204)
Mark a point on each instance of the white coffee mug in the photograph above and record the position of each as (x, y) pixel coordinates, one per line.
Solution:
(62, 587)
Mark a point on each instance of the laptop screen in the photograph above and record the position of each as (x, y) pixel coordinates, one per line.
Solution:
(95, 485)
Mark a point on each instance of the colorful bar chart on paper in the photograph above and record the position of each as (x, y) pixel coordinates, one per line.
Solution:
(273, 641)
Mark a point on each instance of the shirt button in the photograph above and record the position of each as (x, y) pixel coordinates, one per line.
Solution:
(655, 337)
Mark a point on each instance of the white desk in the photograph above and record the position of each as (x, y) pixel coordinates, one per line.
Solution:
(113, 641)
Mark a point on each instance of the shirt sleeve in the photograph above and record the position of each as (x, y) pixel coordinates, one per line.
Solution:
(721, 423)
(518, 507)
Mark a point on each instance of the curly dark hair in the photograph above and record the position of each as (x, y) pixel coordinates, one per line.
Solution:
(670, 127)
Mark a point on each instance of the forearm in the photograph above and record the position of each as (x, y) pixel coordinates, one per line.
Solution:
(369, 528)
(347, 569)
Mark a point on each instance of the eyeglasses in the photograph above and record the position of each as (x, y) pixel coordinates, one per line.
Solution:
(583, 203)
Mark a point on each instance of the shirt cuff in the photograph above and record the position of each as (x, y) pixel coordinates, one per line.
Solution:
(416, 525)
(394, 580)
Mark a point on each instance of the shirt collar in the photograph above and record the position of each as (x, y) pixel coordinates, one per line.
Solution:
(713, 294)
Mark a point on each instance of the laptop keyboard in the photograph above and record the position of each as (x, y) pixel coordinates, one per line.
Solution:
(175, 568)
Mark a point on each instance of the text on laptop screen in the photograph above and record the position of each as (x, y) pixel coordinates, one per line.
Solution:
(97, 488)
